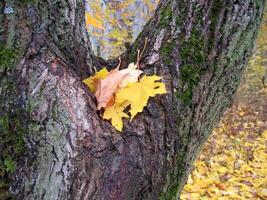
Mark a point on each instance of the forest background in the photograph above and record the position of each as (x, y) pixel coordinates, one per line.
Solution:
(233, 163)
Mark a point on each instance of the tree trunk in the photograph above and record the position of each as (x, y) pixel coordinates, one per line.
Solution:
(55, 145)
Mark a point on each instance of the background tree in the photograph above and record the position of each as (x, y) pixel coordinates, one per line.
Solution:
(115, 24)
(54, 145)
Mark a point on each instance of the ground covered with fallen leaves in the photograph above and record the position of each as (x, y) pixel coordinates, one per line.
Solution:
(233, 163)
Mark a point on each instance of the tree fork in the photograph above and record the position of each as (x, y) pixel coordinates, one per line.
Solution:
(54, 144)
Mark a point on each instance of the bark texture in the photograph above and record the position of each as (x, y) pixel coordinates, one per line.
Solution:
(54, 144)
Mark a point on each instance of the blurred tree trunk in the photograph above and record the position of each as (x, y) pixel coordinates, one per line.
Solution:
(54, 144)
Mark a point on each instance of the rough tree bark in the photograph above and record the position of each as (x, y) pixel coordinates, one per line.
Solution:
(54, 144)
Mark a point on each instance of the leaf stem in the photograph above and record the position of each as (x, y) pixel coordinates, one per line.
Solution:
(139, 55)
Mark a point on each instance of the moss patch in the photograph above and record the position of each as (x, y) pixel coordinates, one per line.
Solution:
(12, 118)
(166, 52)
(192, 61)
(11, 143)
(165, 16)
(7, 57)
(11, 148)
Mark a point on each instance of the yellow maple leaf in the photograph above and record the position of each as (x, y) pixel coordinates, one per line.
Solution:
(137, 94)
(91, 81)
(90, 20)
(115, 114)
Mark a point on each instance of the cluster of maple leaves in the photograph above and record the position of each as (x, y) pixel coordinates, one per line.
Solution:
(120, 89)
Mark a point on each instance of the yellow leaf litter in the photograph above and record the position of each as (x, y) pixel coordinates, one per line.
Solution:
(233, 163)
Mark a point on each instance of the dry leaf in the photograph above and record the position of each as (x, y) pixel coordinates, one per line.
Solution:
(116, 79)
(131, 75)
(106, 88)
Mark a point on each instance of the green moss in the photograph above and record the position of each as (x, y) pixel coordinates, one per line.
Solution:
(165, 16)
(10, 165)
(11, 141)
(192, 58)
(11, 147)
(12, 126)
(191, 50)
(7, 57)
(166, 52)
